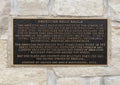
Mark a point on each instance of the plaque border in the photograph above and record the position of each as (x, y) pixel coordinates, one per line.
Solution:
(57, 65)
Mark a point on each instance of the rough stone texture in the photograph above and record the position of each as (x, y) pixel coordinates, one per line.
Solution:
(3, 26)
(115, 9)
(115, 41)
(96, 81)
(80, 81)
(87, 71)
(112, 80)
(78, 7)
(71, 81)
(4, 7)
(23, 76)
(114, 67)
(32, 7)
(79, 71)
(4, 12)
(51, 78)
(3, 53)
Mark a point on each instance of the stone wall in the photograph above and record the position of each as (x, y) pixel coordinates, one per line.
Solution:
(64, 75)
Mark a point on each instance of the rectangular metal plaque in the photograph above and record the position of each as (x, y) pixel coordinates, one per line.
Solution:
(60, 41)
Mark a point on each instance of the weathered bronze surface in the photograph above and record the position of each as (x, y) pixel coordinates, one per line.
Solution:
(60, 41)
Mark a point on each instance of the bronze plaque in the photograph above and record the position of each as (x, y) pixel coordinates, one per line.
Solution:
(60, 41)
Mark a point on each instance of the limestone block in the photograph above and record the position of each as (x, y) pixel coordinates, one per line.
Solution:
(115, 40)
(87, 71)
(32, 7)
(51, 78)
(71, 81)
(115, 9)
(3, 53)
(78, 7)
(5, 7)
(4, 13)
(79, 71)
(80, 81)
(96, 81)
(112, 80)
(23, 76)
(2, 6)
(3, 27)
